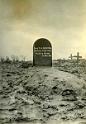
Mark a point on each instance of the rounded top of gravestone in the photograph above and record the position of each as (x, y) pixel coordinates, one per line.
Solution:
(42, 42)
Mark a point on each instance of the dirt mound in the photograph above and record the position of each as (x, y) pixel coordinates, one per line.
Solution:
(38, 95)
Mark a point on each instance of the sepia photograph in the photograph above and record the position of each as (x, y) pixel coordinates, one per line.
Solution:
(42, 61)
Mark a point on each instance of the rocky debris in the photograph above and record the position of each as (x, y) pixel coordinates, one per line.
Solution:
(72, 67)
(25, 65)
(84, 96)
(69, 95)
(41, 91)
(49, 110)
(79, 105)
(56, 90)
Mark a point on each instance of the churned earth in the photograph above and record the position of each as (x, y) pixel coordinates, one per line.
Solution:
(38, 95)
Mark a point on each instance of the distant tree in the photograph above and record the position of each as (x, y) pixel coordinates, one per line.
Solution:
(7, 60)
(23, 58)
(2, 59)
(15, 58)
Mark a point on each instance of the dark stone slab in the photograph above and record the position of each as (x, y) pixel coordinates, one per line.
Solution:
(42, 53)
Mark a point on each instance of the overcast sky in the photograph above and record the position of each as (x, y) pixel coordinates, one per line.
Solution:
(63, 22)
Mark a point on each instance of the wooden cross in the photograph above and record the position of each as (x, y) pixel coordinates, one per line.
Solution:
(78, 57)
(71, 56)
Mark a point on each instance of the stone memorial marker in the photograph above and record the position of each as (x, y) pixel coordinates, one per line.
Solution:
(42, 53)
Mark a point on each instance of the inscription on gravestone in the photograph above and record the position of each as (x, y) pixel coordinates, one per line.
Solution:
(42, 53)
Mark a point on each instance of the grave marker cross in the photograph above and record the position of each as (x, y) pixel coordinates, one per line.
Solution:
(71, 56)
(77, 57)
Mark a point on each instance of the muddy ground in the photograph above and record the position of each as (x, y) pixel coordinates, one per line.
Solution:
(38, 95)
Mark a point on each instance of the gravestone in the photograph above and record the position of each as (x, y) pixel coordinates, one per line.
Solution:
(42, 53)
